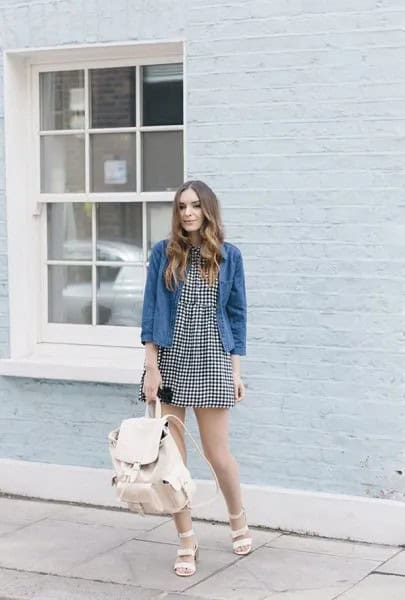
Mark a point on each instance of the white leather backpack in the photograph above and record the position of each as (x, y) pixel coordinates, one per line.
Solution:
(150, 475)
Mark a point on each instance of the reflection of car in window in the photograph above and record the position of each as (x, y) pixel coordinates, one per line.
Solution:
(119, 288)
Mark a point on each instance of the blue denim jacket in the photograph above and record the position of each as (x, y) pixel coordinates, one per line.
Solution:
(160, 304)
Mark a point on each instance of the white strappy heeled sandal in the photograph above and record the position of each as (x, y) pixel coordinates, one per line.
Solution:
(190, 567)
(247, 541)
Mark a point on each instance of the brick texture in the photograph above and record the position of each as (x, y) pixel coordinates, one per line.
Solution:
(295, 117)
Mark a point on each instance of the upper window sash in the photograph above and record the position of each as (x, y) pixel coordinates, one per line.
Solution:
(146, 136)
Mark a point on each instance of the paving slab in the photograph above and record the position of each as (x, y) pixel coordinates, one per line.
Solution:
(181, 596)
(34, 586)
(395, 565)
(377, 587)
(327, 593)
(269, 570)
(54, 546)
(112, 518)
(8, 527)
(334, 547)
(13, 510)
(210, 535)
(141, 563)
(56, 551)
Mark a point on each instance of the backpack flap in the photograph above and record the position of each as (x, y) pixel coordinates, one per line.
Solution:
(139, 440)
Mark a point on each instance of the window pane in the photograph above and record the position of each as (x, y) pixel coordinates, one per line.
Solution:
(162, 94)
(69, 294)
(62, 100)
(159, 221)
(119, 231)
(62, 163)
(162, 158)
(120, 295)
(113, 164)
(113, 97)
(69, 231)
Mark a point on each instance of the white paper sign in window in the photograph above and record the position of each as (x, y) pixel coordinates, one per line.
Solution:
(115, 172)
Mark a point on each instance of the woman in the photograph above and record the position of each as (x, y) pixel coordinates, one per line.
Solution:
(194, 332)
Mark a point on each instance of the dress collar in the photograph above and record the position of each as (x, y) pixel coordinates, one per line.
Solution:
(223, 250)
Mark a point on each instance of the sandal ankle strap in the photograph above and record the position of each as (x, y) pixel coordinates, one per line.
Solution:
(186, 534)
(242, 512)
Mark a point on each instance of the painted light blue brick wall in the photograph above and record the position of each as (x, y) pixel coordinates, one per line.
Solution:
(295, 117)
(296, 114)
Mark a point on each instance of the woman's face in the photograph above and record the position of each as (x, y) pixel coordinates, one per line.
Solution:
(191, 214)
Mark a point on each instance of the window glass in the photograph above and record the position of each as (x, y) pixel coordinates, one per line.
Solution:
(159, 221)
(120, 295)
(162, 160)
(61, 100)
(112, 93)
(69, 294)
(119, 231)
(113, 162)
(62, 163)
(162, 94)
(69, 231)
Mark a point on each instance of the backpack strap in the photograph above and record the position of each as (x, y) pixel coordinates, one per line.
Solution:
(206, 460)
(157, 414)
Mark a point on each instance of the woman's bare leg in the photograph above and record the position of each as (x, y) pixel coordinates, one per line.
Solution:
(182, 520)
(213, 424)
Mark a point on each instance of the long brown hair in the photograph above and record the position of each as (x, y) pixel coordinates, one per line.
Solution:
(211, 232)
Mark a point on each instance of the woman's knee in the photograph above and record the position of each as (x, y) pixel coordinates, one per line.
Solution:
(220, 458)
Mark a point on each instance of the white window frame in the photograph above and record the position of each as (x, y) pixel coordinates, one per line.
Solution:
(62, 355)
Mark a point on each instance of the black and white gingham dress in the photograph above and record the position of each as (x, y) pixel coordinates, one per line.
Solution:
(196, 367)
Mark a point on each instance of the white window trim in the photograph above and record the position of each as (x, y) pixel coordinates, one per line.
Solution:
(29, 357)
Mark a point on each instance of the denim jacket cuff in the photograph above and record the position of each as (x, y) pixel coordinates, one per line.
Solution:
(241, 350)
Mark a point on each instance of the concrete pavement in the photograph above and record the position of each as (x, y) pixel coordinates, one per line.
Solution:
(55, 551)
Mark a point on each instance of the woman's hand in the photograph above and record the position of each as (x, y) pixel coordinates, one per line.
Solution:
(239, 388)
(151, 383)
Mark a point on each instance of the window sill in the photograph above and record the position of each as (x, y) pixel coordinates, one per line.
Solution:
(102, 364)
